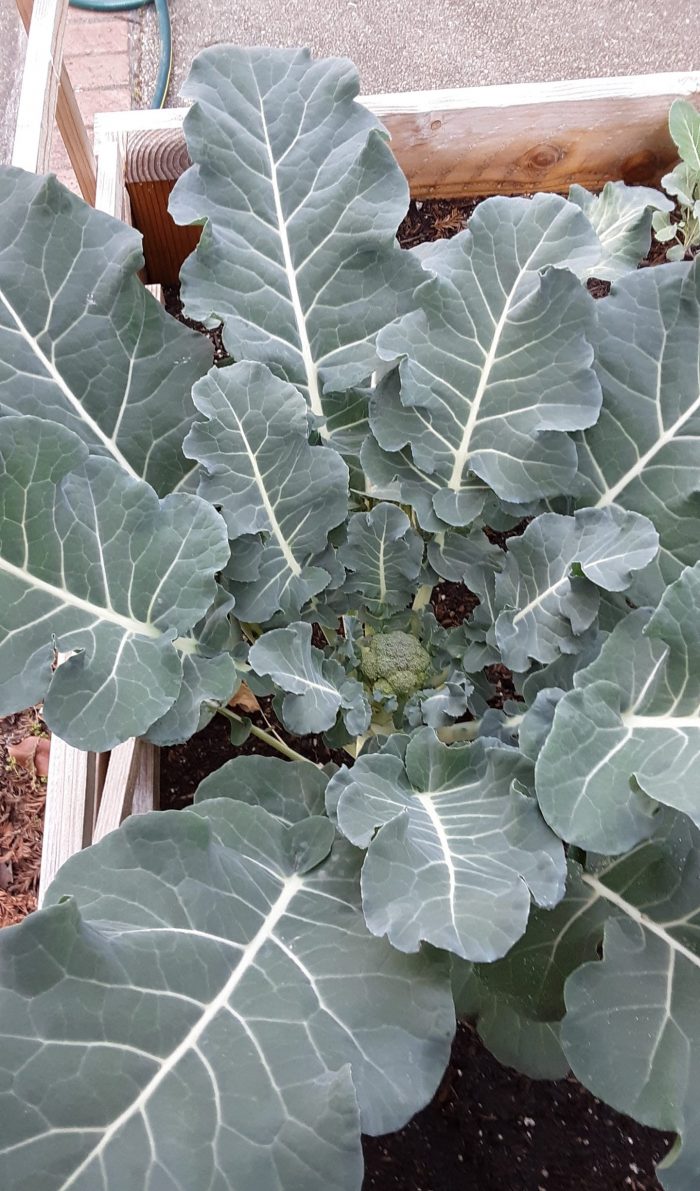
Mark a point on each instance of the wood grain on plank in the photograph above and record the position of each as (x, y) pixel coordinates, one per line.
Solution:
(68, 118)
(69, 795)
(37, 101)
(118, 789)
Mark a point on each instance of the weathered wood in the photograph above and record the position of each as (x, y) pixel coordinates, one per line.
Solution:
(37, 102)
(146, 796)
(468, 142)
(69, 795)
(111, 195)
(118, 789)
(70, 122)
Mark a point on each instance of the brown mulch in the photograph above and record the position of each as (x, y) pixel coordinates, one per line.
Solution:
(22, 797)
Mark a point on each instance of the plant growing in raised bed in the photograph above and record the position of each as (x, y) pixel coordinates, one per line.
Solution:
(225, 996)
(683, 183)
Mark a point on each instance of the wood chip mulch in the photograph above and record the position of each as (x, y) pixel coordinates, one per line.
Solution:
(22, 797)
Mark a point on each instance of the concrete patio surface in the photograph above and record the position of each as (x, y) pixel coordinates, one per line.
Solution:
(445, 43)
(12, 44)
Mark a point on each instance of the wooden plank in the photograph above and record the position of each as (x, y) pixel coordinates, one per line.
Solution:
(146, 796)
(68, 793)
(467, 142)
(37, 103)
(118, 789)
(111, 195)
(70, 123)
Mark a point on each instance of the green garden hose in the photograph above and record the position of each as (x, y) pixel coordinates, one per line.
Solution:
(166, 41)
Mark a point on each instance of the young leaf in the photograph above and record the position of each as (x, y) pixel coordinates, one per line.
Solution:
(266, 479)
(546, 603)
(643, 452)
(622, 218)
(91, 562)
(684, 126)
(301, 197)
(383, 555)
(267, 1000)
(82, 341)
(495, 407)
(460, 845)
(317, 687)
(630, 730)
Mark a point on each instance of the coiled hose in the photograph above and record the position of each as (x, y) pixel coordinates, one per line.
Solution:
(166, 42)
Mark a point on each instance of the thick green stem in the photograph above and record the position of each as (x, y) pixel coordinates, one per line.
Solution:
(422, 597)
(261, 734)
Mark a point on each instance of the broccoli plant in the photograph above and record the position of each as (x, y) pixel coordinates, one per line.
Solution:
(226, 996)
(683, 184)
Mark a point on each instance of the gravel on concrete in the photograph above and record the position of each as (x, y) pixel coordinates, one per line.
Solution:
(400, 46)
(12, 49)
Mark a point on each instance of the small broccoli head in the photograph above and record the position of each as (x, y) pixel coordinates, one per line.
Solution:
(395, 662)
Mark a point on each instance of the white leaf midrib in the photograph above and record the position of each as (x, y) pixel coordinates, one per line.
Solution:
(297, 308)
(290, 888)
(65, 597)
(75, 404)
(640, 918)
(611, 494)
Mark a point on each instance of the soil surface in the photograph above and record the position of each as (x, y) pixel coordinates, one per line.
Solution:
(491, 1129)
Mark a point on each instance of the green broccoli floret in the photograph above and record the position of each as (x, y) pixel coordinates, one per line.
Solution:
(395, 662)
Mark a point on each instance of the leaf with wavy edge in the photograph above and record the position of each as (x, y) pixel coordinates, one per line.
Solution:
(300, 197)
(265, 478)
(547, 590)
(632, 1027)
(621, 216)
(643, 453)
(383, 556)
(290, 790)
(82, 342)
(93, 563)
(629, 732)
(317, 687)
(495, 363)
(460, 845)
(289, 1023)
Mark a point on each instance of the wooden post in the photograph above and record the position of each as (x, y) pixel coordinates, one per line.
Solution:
(60, 97)
(37, 102)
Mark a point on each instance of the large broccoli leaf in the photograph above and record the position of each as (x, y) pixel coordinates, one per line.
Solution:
(459, 849)
(301, 198)
(93, 564)
(82, 342)
(201, 1002)
(629, 733)
(265, 478)
(643, 452)
(496, 363)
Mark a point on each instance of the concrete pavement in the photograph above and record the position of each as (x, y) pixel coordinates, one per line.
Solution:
(12, 45)
(400, 46)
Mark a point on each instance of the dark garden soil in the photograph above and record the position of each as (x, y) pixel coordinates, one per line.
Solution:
(488, 1128)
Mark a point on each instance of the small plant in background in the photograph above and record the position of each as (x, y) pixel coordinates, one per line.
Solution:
(226, 996)
(683, 184)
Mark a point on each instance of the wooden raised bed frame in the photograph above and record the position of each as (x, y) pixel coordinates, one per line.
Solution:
(450, 144)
